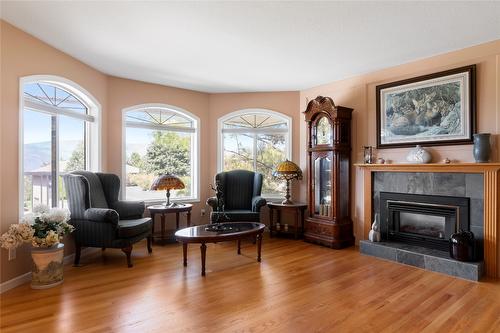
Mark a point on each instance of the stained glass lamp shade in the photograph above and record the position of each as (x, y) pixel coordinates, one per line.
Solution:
(167, 182)
(288, 170)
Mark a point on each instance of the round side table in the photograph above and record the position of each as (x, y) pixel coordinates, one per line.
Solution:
(163, 211)
(298, 210)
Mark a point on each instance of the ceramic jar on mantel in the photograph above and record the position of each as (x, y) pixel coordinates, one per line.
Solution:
(482, 147)
(418, 155)
(47, 268)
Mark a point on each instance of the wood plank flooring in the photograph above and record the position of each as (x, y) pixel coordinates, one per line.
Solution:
(298, 287)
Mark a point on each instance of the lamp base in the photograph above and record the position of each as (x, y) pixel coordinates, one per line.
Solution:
(287, 200)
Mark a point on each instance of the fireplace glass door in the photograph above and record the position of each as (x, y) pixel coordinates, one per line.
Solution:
(422, 224)
(420, 219)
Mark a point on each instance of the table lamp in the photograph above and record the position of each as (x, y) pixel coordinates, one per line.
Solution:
(167, 182)
(287, 170)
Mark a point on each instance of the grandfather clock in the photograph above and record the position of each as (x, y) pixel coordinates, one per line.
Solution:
(328, 180)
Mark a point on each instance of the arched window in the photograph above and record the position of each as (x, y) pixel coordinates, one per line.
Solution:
(256, 140)
(159, 139)
(59, 133)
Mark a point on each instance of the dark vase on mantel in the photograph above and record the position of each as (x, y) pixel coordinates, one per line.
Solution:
(482, 147)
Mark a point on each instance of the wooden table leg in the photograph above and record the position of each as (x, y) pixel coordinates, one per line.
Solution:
(162, 227)
(153, 227)
(185, 253)
(176, 220)
(188, 218)
(302, 221)
(259, 246)
(203, 249)
(296, 224)
(278, 218)
(271, 224)
(239, 246)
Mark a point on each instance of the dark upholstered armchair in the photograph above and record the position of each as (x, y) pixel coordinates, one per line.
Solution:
(241, 193)
(100, 219)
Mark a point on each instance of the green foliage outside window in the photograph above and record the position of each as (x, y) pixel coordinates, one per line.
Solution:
(168, 152)
(238, 154)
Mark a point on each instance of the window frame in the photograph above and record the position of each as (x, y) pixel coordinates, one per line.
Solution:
(92, 120)
(195, 153)
(221, 130)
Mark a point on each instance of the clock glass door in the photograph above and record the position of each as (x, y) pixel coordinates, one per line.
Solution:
(323, 185)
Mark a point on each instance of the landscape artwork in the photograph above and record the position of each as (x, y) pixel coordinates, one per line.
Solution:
(435, 109)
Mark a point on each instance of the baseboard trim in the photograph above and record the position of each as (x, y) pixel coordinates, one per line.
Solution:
(17, 281)
(26, 277)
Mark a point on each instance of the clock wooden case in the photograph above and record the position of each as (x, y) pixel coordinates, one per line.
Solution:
(328, 162)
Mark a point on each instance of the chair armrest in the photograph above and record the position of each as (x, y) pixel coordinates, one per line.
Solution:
(129, 209)
(103, 215)
(212, 202)
(257, 203)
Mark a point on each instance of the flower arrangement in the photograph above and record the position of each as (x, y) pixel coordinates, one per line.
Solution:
(44, 227)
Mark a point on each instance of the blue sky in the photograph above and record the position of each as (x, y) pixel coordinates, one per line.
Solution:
(37, 128)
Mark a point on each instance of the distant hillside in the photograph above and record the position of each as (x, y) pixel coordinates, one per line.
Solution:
(38, 154)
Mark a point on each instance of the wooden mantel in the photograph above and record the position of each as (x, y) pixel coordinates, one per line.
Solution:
(491, 197)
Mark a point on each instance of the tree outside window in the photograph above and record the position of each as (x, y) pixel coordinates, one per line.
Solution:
(256, 140)
(159, 140)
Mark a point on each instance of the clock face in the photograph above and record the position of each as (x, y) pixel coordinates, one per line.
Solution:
(323, 132)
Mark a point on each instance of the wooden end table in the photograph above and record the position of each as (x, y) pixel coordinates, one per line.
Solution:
(163, 211)
(298, 210)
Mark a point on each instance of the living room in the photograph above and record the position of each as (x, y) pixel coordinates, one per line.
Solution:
(215, 87)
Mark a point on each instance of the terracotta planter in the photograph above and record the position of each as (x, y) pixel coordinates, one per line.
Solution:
(47, 268)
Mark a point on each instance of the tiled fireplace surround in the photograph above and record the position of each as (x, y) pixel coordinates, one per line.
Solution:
(468, 185)
(479, 182)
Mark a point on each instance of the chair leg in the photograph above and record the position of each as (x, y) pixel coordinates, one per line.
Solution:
(150, 241)
(128, 251)
(78, 252)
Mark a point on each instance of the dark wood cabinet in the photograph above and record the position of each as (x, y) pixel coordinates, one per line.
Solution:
(328, 179)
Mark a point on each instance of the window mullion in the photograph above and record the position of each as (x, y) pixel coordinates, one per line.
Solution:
(54, 160)
(255, 152)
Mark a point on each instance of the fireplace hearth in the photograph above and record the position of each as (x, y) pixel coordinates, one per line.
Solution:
(422, 220)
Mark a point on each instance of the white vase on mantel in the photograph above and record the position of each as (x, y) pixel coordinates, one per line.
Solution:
(419, 155)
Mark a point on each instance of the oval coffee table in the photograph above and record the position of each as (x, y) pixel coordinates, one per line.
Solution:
(237, 231)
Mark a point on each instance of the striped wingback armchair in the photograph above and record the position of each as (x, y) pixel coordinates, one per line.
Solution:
(100, 218)
(241, 194)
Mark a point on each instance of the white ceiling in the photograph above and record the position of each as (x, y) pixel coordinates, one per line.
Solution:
(252, 46)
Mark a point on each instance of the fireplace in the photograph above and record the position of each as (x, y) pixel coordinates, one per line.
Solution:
(424, 220)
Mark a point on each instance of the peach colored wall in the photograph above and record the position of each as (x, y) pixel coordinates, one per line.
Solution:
(23, 55)
(359, 93)
(123, 93)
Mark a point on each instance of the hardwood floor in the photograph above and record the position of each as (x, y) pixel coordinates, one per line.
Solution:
(298, 287)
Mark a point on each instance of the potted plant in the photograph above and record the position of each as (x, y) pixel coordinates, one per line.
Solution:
(44, 229)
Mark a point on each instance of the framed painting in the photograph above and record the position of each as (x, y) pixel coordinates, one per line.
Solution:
(430, 110)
